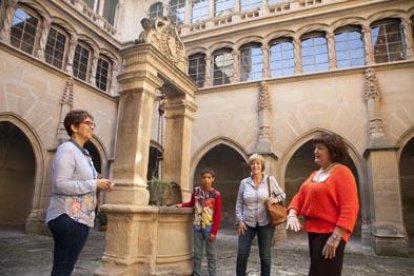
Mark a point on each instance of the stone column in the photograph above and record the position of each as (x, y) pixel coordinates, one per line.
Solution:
(94, 67)
(114, 80)
(211, 9)
(408, 36)
(11, 7)
(330, 37)
(236, 66)
(237, 6)
(46, 25)
(369, 51)
(298, 55)
(73, 42)
(264, 108)
(384, 181)
(266, 61)
(209, 71)
(188, 13)
(177, 149)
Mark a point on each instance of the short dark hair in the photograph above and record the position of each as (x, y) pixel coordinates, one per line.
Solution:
(75, 117)
(209, 171)
(338, 151)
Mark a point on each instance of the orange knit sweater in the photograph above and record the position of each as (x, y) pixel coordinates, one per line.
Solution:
(328, 204)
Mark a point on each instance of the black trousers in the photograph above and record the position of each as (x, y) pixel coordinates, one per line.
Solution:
(70, 237)
(319, 265)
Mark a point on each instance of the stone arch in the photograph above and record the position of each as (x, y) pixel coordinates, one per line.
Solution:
(230, 166)
(65, 25)
(348, 21)
(278, 34)
(312, 28)
(356, 164)
(97, 143)
(39, 157)
(395, 13)
(247, 40)
(197, 50)
(89, 41)
(220, 45)
(156, 152)
(405, 157)
(37, 7)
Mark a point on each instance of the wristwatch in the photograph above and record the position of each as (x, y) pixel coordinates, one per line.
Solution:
(335, 237)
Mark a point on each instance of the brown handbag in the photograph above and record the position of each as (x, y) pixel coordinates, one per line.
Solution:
(277, 212)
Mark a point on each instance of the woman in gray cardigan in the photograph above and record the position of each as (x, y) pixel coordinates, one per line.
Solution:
(72, 205)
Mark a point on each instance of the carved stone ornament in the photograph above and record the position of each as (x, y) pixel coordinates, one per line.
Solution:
(162, 34)
(371, 85)
(67, 95)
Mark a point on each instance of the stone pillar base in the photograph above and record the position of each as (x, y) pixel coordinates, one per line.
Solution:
(366, 237)
(391, 246)
(147, 240)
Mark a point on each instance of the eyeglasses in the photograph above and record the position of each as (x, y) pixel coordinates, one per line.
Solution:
(90, 124)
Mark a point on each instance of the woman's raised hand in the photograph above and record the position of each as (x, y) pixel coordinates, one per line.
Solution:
(104, 184)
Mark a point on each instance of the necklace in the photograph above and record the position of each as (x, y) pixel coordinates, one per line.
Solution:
(323, 174)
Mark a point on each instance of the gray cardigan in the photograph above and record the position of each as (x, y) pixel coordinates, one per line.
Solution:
(74, 185)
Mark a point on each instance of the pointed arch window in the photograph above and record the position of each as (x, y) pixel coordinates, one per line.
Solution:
(349, 47)
(314, 52)
(197, 68)
(251, 62)
(55, 47)
(282, 61)
(387, 40)
(81, 61)
(24, 30)
(223, 67)
(103, 73)
(156, 10)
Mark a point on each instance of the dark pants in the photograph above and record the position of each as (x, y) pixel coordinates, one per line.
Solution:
(70, 237)
(319, 265)
(264, 237)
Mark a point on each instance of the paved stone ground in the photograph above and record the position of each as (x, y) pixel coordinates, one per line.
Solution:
(32, 256)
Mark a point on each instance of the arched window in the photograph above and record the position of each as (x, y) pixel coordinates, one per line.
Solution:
(387, 40)
(24, 30)
(223, 68)
(349, 47)
(103, 73)
(251, 62)
(250, 4)
(105, 8)
(156, 10)
(177, 11)
(314, 52)
(197, 68)
(200, 10)
(55, 47)
(282, 62)
(221, 7)
(81, 61)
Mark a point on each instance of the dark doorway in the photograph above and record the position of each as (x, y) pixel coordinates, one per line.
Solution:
(17, 174)
(230, 169)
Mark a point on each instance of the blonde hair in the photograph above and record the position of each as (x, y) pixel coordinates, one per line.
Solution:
(257, 158)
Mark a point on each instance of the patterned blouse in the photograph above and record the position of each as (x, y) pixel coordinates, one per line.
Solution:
(74, 184)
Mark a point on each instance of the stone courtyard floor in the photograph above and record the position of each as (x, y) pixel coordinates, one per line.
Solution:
(32, 255)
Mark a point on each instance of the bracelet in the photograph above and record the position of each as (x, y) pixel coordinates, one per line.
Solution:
(292, 216)
(335, 237)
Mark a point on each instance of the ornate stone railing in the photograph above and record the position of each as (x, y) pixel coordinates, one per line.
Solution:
(95, 18)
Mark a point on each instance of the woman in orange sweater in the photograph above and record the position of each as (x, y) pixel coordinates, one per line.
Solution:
(328, 201)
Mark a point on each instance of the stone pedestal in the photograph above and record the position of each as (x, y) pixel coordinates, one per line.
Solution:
(147, 240)
(387, 225)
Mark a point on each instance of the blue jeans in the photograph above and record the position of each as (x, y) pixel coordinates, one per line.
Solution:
(264, 237)
(70, 237)
(201, 239)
